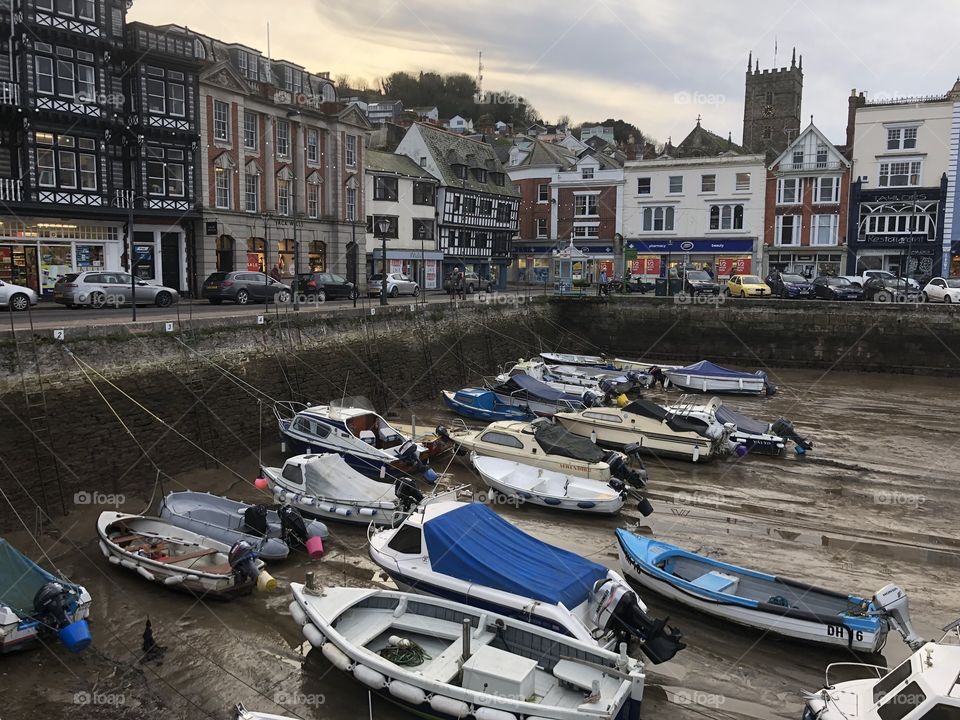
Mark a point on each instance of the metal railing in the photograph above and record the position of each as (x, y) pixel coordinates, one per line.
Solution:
(814, 165)
(124, 199)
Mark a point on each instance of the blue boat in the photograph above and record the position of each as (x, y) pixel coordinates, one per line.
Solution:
(482, 404)
(522, 390)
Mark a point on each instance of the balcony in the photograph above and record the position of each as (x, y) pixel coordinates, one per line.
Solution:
(9, 93)
(811, 166)
(11, 190)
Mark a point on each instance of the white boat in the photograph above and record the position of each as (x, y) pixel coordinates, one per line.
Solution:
(589, 361)
(656, 430)
(241, 713)
(445, 660)
(536, 486)
(547, 445)
(467, 553)
(925, 686)
(706, 377)
(568, 378)
(178, 558)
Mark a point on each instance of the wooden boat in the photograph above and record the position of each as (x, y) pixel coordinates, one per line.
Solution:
(536, 486)
(767, 602)
(230, 521)
(180, 559)
(462, 661)
(706, 377)
(483, 404)
(35, 603)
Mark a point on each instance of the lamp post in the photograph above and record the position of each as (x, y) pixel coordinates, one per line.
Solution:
(383, 226)
(422, 232)
(267, 217)
(131, 197)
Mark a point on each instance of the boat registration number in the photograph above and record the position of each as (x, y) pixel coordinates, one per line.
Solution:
(841, 632)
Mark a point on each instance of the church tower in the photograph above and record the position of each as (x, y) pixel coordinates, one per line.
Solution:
(771, 107)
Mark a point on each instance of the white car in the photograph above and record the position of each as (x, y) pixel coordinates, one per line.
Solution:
(397, 284)
(945, 290)
(17, 297)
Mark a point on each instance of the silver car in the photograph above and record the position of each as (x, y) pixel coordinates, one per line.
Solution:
(17, 297)
(100, 289)
(397, 284)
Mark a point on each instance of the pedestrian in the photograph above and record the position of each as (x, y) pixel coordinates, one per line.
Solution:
(459, 285)
(602, 287)
(275, 272)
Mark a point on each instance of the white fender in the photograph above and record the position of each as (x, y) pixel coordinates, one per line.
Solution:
(105, 550)
(299, 616)
(696, 453)
(290, 497)
(129, 564)
(174, 579)
(313, 635)
(408, 693)
(283, 446)
(343, 511)
(332, 653)
(369, 677)
(145, 573)
(307, 500)
(368, 512)
(486, 713)
(449, 706)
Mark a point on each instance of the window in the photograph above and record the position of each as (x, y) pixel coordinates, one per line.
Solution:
(46, 168)
(798, 158)
(221, 121)
(658, 219)
(788, 230)
(248, 64)
(821, 155)
(900, 174)
(156, 96)
(313, 200)
(423, 193)
(251, 193)
(898, 224)
(486, 207)
(586, 173)
(586, 230)
(62, 162)
(643, 186)
(676, 184)
(942, 712)
(44, 66)
(250, 133)
(222, 180)
(88, 172)
(584, 205)
(901, 138)
(827, 190)
(165, 171)
(788, 191)
(422, 229)
(605, 417)
(283, 197)
(351, 204)
(708, 183)
(460, 171)
(86, 84)
(393, 225)
(283, 138)
(292, 80)
(903, 703)
(176, 102)
(406, 540)
(825, 229)
(351, 153)
(541, 227)
(504, 213)
(726, 217)
(66, 77)
(543, 192)
(498, 178)
(67, 162)
(743, 181)
(313, 145)
(480, 174)
(470, 205)
(385, 188)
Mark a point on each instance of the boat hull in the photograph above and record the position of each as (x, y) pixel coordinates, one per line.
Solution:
(727, 386)
(23, 634)
(335, 510)
(513, 411)
(693, 448)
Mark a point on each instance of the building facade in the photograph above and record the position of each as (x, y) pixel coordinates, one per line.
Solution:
(404, 194)
(282, 168)
(806, 207)
(771, 107)
(951, 223)
(477, 203)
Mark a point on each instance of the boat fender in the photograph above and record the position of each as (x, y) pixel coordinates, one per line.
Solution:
(129, 564)
(174, 579)
(696, 453)
(309, 501)
(105, 550)
(449, 706)
(313, 635)
(408, 693)
(369, 677)
(586, 505)
(368, 512)
(297, 613)
(345, 512)
(283, 446)
(145, 573)
(290, 497)
(552, 501)
(336, 657)
(486, 713)
(114, 560)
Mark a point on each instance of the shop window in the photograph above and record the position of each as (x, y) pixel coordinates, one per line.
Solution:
(286, 250)
(317, 256)
(225, 245)
(144, 256)
(89, 257)
(256, 251)
(55, 262)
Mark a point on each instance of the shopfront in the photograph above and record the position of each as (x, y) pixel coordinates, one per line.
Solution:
(422, 266)
(723, 257)
(809, 264)
(534, 263)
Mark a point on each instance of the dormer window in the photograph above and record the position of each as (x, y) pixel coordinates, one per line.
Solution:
(460, 171)
(498, 178)
(480, 174)
(292, 80)
(586, 173)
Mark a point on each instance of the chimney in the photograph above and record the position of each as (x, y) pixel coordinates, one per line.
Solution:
(853, 102)
(631, 149)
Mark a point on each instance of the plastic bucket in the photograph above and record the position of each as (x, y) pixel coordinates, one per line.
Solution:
(261, 483)
(315, 547)
(266, 582)
(430, 475)
(76, 636)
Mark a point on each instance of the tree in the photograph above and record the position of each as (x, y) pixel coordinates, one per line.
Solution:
(563, 121)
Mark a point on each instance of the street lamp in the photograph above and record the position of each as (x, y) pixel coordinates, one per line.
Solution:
(131, 199)
(422, 232)
(383, 227)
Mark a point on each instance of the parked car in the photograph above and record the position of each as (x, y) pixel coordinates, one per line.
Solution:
(243, 287)
(870, 274)
(829, 287)
(397, 284)
(789, 285)
(471, 282)
(699, 282)
(100, 289)
(945, 290)
(892, 289)
(747, 286)
(320, 286)
(17, 297)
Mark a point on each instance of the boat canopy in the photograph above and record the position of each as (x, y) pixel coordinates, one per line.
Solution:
(20, 578)
(474, 544)
(706, 368)
(476, 398)
(530, 385)
(677, 423)
(329, 476)
(555, 439)
(744, 423)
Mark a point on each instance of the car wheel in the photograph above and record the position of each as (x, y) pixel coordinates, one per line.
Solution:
(215, 301)
(19, 302)
(163, 299)
(743, 293)
(321, 296)
(394, 292)
(416, 291)
(243, 297)
(98, 300)
(947, 300)
(283, 296)
(925, 297)
(470, 289)
(885, 297)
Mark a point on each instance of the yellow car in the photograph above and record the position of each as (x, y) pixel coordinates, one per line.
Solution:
(747, 286)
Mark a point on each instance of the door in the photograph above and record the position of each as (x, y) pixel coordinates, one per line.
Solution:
(170, 260)
(117, 288)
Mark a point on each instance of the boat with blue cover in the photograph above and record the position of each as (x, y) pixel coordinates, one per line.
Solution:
(483, 404)
(707, 377)
(767, 602)
(522, 390)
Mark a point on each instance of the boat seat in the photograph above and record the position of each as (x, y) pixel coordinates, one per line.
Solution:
(429, 626)
(445, 666)
(578, 675)
(121, 539)
(716, 582)
(372, 631)
(202, 552)
(224, 569)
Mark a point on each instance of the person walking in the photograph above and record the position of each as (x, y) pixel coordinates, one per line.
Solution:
(275, 272)
(460, 284)
(604, 280)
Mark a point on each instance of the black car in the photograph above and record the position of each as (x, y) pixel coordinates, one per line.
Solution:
(890, 290)
(699, 282)
(322, 286)
(828, 287)
(789, 285)
(242, 287)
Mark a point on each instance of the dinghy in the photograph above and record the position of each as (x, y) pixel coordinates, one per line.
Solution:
(588, 361)
(163, 553)
(767, 602)
(922, 687)
(35, 604)
(271, 532)
(536, 486)
(706, 377)
(467, 553)
(441, 659)
(568, 378)
(524, 391)
(483, 404)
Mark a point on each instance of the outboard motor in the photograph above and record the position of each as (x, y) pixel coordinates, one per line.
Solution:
(408, 494)
(620, 470)
(784, 428)
(591, 398)
(769, 387)
(891, 603)
(52, 606)
(618, 609)
(255, 520)
(243, 560)
(657, 376)
(293, 529)
(409, 452)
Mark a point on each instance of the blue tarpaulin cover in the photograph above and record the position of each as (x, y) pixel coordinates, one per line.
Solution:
(475, 544)
(20, 578)
(535, 388)
(707, 368)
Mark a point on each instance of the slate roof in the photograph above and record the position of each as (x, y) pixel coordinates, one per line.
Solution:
(377, 161)
(703, 143)
(449, 148)
(543, 154)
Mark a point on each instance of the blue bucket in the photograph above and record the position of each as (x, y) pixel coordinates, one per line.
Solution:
(430, 475)
(76, 636)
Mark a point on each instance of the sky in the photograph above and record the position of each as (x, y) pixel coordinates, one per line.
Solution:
(658, 64)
